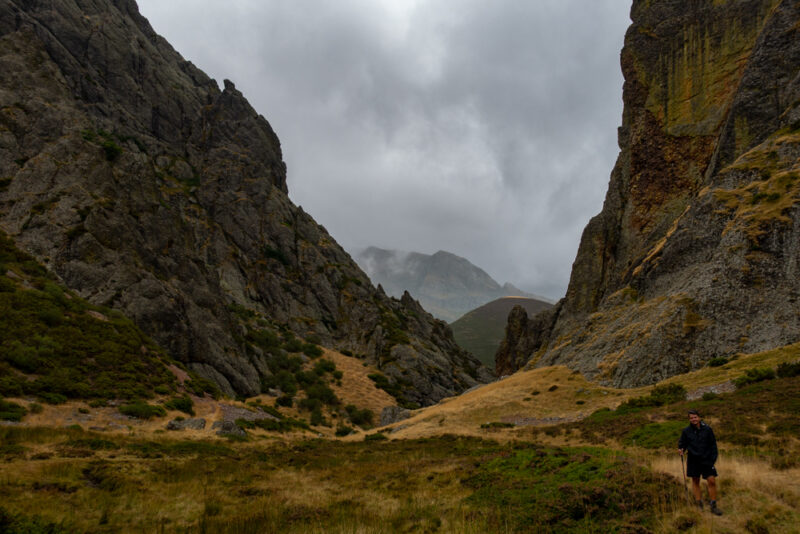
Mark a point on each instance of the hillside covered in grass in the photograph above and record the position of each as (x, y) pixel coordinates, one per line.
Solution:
(481, 330)
(615, 469)
(56, 346)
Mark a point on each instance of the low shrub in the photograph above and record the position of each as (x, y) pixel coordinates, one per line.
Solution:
(719, 361)
(324, 366)
(752, 376)
(317, 419)
(788, 370)
(16, 523)
(200, 386)
(342, 431)
(293, 345)
(52, 398)
(111, 150)
(182, 404)
(659, 396)
(11, 411)
(497, 424)
(284, 400)
(284, 425)
(383, 382)
(311, 350)
(322, 393)
(142, 410)
(363, 418)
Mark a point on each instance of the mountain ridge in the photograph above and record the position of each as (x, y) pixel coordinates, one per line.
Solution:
(144, 187)
(446, 284)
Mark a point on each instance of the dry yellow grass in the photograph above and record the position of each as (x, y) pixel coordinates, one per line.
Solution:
(512, 400)
(749, 490)
(716, 375)
(357, 388)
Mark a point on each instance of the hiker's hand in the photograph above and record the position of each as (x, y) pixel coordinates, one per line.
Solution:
(680, 451)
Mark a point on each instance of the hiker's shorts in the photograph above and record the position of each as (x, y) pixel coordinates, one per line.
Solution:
(696, 469)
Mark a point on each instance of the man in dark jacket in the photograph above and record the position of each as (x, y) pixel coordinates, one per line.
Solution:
(699, 444)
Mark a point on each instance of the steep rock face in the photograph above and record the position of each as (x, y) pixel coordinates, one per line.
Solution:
(144, 187)
(695, 252)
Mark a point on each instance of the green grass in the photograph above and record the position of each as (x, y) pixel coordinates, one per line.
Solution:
(561, 490)
(57, 346)
(739, 419)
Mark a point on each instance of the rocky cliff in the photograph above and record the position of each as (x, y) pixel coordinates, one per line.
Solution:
(144, 187)
(695, 253)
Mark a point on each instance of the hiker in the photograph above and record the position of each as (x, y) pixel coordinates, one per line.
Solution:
(698, 441)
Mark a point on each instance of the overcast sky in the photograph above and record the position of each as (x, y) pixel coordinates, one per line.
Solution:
(483, 128)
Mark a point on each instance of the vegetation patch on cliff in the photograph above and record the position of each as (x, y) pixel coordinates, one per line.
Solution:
(56, 346)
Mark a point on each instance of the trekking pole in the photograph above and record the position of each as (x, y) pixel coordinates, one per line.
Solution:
(685, 487)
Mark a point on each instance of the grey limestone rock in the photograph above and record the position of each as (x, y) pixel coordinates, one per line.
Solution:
(392, 414)
(696, 251)
(195, 423)
(228, 428)
(144, 186)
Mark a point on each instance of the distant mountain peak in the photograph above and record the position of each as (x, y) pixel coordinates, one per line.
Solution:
(447, 285)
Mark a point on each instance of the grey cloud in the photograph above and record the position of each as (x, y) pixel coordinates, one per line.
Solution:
(487, 129)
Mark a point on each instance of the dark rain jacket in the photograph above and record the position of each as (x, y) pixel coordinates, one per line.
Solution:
(700, 443)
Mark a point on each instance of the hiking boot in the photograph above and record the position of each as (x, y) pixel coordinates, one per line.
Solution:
(699, 504)
(714, 509)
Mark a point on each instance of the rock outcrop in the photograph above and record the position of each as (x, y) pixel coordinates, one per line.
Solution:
(695, 253)
(143, 186)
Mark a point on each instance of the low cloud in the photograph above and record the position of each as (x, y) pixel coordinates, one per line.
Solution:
(487, 129)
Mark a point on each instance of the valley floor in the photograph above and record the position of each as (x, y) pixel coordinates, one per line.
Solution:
(541, 451)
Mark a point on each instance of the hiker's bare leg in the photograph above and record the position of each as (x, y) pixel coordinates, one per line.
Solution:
(712, 488)
(696, 488)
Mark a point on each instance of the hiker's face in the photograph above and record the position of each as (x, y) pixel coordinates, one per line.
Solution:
(694, 419)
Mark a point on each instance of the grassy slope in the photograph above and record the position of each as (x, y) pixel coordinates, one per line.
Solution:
(63, 361)
(481, 330)
(555, 470)
(92, 483)
(57, 346)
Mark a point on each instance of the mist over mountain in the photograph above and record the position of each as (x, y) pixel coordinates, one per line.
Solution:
(447, 286)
